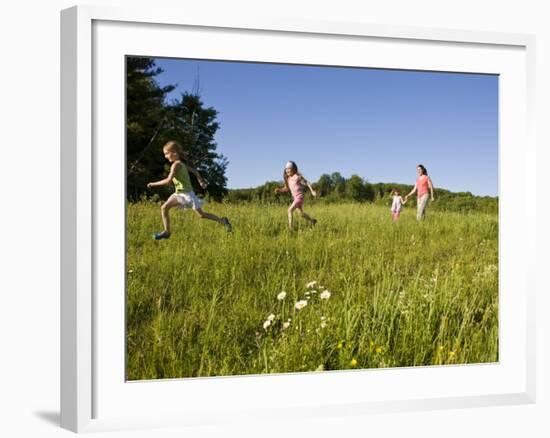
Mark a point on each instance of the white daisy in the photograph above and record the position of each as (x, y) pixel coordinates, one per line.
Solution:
(281, 296)
(301, 304)
(311, 284)
(267, 324)
(325, 295)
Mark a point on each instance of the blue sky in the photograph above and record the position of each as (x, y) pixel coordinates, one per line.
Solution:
(378, 124)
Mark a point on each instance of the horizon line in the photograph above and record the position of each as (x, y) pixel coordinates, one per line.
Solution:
(372, 183)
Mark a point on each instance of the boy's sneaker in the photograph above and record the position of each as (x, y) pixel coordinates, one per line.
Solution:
(313, 222)
(161, 235)
(227, 224)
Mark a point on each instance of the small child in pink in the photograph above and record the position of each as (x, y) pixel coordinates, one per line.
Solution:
(397, 203)
(294, 184)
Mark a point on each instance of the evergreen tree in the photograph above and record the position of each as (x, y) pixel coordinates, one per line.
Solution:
(145, 115)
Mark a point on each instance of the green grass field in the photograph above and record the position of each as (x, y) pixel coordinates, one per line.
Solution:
(402, 294)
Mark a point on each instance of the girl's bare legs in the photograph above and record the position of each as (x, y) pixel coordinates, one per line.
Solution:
(165, 213)
(290, 210)
(301, 213)
(306, 216)
(204, 215)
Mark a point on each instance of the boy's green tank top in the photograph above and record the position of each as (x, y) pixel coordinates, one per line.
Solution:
(181, 179)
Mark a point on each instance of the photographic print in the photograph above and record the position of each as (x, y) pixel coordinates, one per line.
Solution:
(295, 218)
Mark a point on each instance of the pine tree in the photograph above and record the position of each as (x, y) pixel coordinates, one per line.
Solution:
(145, 116)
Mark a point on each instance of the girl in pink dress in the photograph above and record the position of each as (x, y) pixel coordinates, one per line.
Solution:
(397, 203)
(423, 184)
(294, 182)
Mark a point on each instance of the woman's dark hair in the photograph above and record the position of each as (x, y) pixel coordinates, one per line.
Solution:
(423, 169)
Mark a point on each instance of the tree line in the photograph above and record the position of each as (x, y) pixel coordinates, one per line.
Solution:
(334, 188)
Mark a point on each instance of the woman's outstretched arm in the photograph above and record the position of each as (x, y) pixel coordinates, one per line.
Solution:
(411, 192)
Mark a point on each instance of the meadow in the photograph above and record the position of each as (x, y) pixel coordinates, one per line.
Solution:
(359, 291)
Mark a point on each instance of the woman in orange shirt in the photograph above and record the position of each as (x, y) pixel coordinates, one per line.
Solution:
(422, 185)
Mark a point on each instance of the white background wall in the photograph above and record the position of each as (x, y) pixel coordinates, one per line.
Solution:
(29, 219)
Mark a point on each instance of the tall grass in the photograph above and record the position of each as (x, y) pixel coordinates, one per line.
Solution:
(401, 294)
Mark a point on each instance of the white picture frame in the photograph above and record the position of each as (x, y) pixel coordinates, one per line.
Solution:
(92, 381)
